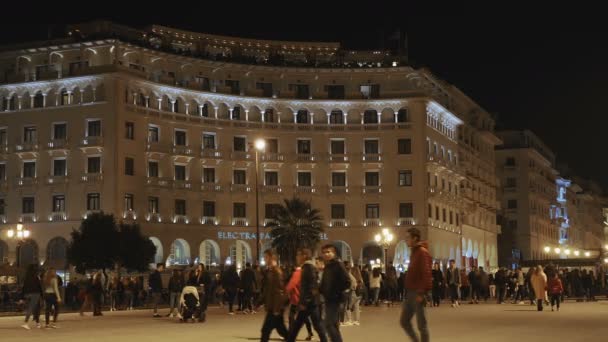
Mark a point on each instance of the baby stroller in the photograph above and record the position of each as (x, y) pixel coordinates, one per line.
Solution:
(190, 305)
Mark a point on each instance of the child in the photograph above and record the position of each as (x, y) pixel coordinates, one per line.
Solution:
(555, 289)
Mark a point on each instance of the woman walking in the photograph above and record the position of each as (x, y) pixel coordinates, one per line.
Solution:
(374, 284)
(555, 288)
(32, 290)
(539, 284)
(437, 284)
(52, 298)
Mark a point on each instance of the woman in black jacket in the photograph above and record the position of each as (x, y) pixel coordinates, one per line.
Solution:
(32, 291)
(437, 284)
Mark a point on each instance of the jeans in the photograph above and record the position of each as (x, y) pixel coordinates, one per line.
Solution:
(454, 293)
(311, 314)
(129, 299)
(293, 311)
(174, 301)
(555, 300)
(272, 322)
(436, 295)
(50, 300)
(33, 307)
(352, 312)
(375, 293)
(411, 307)
(332, 321)
(156, 297)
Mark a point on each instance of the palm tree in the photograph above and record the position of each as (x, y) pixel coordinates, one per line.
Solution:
(295, 224)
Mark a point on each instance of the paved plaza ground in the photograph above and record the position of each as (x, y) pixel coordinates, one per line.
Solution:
(484, 322)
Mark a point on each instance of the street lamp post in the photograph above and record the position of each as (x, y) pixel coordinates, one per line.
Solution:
(260, 145)
(384, 240)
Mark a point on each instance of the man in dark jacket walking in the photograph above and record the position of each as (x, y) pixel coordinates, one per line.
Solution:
(418, 282)
(248, 288)
(156, 286)
(334, 282)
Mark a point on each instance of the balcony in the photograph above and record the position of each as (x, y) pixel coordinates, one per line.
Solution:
(211, 153)
(372, 223)
(272, 157)
(129, 215)
(240, 221)
(338, 158)
(240, 188)
(2, 218)
(158, 182)
(406, 221)
(58, 144)
(509, 189)
(272, 188)
(182, 150)
(305, 158)
(153, 217)
(27, 147)
(57, 180)
(157, 147)
(509, 167)
(211, 187)
(269, 221)
(92, 178)
(182, 184)
(338, 223)
(305, 189)
(338, 189)
(371, 190)
(3, 185)
(58, 216)
(371, 157)
(27, 218)
(240, 155)
(209, 220)
(89, 213)
(181, 219)
(92, 141)
(27, 181)
(4, 149)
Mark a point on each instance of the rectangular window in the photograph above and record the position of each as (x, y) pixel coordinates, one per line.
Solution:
(337, 146)
(239, 210)
(338, 211)
(129, 130)
(93, 202)
(152, 169)
(29, 169)
(180, 172)
(272, 146)
(2, 172)
(338, 179)
(94, 165)
(3, 136)
(304, 146)
(266, 89)
(180, 138)
(208, 175)
(60, 131)
(372, 179)
(406, 210)
(371, 146)
(209, 141)
(510, 161)
(153, 134)
(271, 178)
(239, 177)
(511, 182)
(129, 166)
(436, 213)
(405, 177)
(2, 206)
(336, 117)
(512, 204)
(240, 144)
(304, 179)
(271, 210)
(370, 117)
(335, 91)
(59, 167)
(269, 115)
(58, 204)
(153, 205)
(29, 134)
(451, 217)
(430, 209)
(94, 128)
(128, 202)
(402, 116)
(404, 146)
(302, 117)
(372, 211)
(444, 212)
(28, 205)
(180, 207)
(208, 208)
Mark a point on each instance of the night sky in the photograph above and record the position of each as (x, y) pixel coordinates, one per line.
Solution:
(541, 68)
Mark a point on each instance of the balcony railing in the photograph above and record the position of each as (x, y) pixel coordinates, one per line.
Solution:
(272, 157)
(27, 181)
(240, 188)
(211, 153)
(129, 215)
(339, 223)
(27, 218)
(268, 221)
(181, 219)
(27, 147)
(305, 158)
(182, 184)
(58, 144)
(305, 189)
(58, 216)
(372, 223)
(338, 158)
(153, 217)
(92, 141)
(209, 220)
(57, 179)
(211, 187)
(372, 189)
(338, 189)
(158, 182)
(406, 221)
(92, 177)
(240, 155)
(371, 157)
(182, 150)
(240, 221)
(272, 188)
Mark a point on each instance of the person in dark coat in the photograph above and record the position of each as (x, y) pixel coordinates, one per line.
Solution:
(248, 285)
(230, 283)
(32, 292)
(437, 284)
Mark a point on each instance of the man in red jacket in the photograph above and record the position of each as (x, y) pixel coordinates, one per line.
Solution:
(418, 282)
